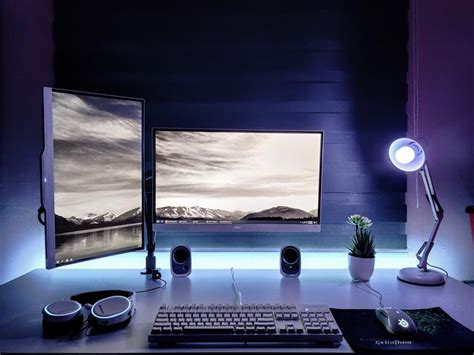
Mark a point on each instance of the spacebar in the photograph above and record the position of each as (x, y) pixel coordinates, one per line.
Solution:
(208, 330)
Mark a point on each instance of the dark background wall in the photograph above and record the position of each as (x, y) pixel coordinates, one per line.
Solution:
(338, 66)
(446, 78)
(445, 35)
(26, 50)
(333, 65)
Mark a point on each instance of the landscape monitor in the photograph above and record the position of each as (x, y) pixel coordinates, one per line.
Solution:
(92, 175)
(237, 181)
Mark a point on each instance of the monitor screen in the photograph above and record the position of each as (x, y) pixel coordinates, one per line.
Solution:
(92, 175)
(237, 180)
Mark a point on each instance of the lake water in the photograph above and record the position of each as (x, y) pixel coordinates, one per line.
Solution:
(86, 244)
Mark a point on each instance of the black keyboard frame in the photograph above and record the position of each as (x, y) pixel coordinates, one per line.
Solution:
(303, 329)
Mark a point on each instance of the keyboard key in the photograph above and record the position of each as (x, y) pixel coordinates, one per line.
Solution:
(159, 324)
(240, 330)
(313, 330)
(156, 330)
(166, 330)
(208, 330)
(177, 330)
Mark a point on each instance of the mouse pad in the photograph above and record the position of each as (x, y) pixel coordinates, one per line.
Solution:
(436, 330)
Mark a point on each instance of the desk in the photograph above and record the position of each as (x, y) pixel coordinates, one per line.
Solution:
(21, 301)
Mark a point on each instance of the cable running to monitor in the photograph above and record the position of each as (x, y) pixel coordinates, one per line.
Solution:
(236, 288)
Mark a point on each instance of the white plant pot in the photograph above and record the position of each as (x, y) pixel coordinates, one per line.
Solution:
(361, 269)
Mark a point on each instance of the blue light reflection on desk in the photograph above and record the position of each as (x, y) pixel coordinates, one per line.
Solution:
(242, 260)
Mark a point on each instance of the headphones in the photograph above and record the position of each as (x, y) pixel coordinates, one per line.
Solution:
(104, 311)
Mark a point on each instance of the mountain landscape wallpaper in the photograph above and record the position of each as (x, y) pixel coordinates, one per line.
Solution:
(97, 173)
(237, 176)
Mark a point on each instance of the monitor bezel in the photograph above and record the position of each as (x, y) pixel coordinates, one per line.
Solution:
(241, 228)
(47, 176)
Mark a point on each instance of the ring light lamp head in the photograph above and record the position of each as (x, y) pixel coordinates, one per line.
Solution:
(406, 154)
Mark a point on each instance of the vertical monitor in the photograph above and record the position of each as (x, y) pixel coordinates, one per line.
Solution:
(237, 181)
(91, 175)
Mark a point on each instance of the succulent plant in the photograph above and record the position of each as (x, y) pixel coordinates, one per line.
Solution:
(362, 243)
(359, 221)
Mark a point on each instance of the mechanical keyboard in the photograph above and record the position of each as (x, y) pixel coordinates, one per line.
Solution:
(244, 323)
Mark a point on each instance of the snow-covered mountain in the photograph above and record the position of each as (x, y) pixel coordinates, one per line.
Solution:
(197, 212)
(135, 214)
(93, 218)
(283, 212)
(74, 220)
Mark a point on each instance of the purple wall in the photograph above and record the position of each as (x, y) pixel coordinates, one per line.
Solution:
(445, 36)
(26, 66)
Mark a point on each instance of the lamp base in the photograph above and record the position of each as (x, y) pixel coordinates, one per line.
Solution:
(416, 276)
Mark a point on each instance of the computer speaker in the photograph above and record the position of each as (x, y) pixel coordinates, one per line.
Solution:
(180, 261)
(290, 261)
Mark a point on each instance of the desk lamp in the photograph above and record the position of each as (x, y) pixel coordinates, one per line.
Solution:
(408, 155)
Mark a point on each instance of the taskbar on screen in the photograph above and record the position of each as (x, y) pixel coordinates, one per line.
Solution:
(208, 222)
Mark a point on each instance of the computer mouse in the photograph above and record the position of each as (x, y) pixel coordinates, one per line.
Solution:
(396, 321)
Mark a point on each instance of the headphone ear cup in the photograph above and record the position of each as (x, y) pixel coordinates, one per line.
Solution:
(51, 329)
(62, 317)
(101, 329)
(110, 313)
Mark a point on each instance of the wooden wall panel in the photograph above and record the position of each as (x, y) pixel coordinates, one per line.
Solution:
(333, 65)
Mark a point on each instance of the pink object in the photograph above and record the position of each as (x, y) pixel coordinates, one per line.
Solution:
(470, 212)
(471, 217)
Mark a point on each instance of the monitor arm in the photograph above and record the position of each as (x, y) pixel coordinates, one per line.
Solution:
(150, 262)
(438, 214)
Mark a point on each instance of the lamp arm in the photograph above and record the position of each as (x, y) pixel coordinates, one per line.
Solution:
(438, 214)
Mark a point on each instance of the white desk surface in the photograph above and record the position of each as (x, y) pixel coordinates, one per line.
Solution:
(22, 300)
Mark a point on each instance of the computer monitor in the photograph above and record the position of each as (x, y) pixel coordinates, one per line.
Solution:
(237, 181)
(92, 175)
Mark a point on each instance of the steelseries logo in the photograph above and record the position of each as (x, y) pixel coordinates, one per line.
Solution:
(393, 342)
(402, 322)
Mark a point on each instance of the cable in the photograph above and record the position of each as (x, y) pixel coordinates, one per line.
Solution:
(164, 283)
(439, 268)
(416, 95)
(365, 290)
(236, 288)
(375, 292)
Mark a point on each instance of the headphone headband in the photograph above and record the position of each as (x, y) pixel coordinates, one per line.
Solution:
(95, 296)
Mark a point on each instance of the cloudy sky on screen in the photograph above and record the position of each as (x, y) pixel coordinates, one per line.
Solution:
(237, 171)
(97, 154)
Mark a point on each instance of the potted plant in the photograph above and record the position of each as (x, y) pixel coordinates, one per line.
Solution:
(362, 249)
